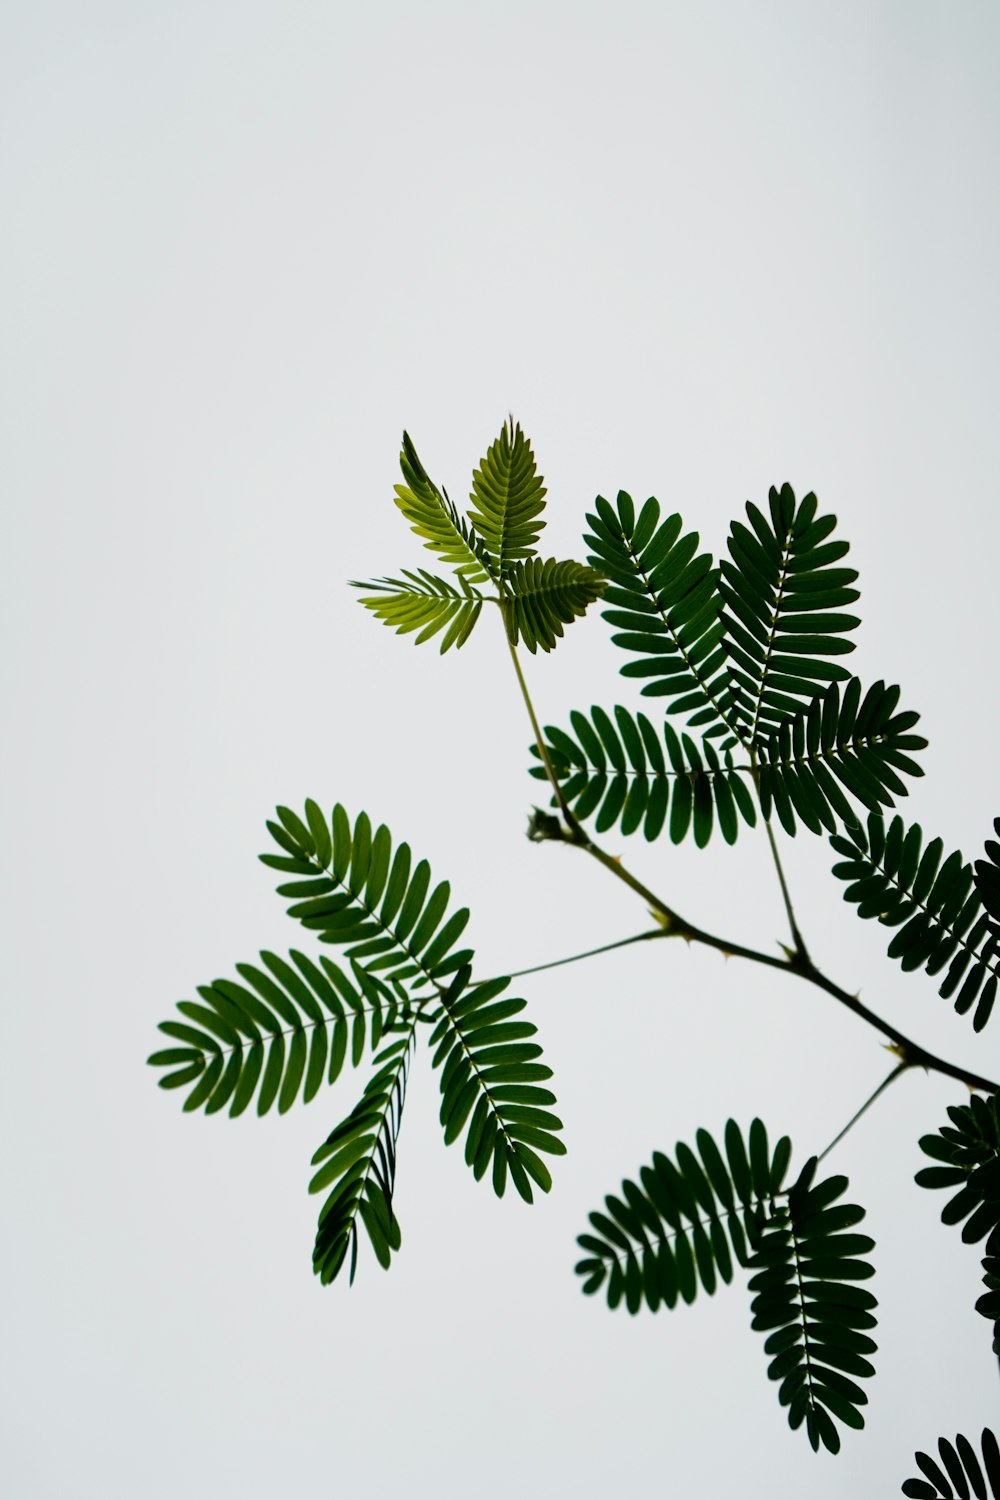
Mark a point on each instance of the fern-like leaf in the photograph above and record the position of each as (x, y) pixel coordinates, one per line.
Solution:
(988, 875)
(545, 596)
(807, 1301)
(967, 1157)
(683, 1224)
(491, 1077)
(436, 520)
(665, 606)
(832, 745)
(892, 877)
(508, 497)
(357, 1162)
(960, 1468)
(783, 598)
(278, 1035)
(623, 774)
(419, 601)
(351, 889)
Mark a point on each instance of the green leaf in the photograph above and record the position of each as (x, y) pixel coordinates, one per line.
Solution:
(959, 1467)
(783, 619)
(801, 1282)
(934, 906)
(969, 1148)
(375, 905)
(422, 602)
(436, 520)
(681, 1214)
(545, 596)
(508, 497)
(282, 997)
(699, 781)
(665, 606)
(357, 1162)
(486, 1078)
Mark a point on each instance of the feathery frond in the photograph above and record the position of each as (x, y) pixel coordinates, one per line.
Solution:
(545, 596)
(491, 1071)
(622, 776)
(968, 1157)
(351, 889)
(419, 601)
(936, 907)
(357, 1161)
(858, 744)
(510, 496)
(988, 875)
(959, 1472)
(282, 1032)
(436, 520)
(673, 1234)
(807, 1302)
(666, 607)
(684, 1225)
(783, 597)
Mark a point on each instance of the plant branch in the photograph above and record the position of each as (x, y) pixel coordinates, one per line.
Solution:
(797, 938)
(890, 1078)
(571, 822)
(640, 937)
(577, 834)
(907, 1050)
(674, 925)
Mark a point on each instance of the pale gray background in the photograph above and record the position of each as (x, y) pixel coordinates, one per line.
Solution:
(696, 249)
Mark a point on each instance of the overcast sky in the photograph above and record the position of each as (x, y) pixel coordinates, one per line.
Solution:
(697, 249)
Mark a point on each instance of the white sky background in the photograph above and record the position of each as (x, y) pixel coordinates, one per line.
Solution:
(696, 250)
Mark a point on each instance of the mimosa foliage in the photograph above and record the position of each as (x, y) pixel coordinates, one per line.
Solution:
(357, 1161)
(286, 1030)
(666, 607)
(623, 774)
(290, 1027)
(419, 601)
(508, 497)
(688, 1220)
(757, 721)
(495, 544)
(967, 1156)
(935, 906)
(436, 520)
(959, 1472)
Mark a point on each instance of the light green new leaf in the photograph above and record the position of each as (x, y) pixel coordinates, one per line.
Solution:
(508, 496)
(420, 601)
(435, 519)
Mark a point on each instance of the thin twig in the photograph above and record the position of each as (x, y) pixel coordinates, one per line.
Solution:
(640, 937)
(891, 1078)
(797, 937)
(577, 834)
(674, 925)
